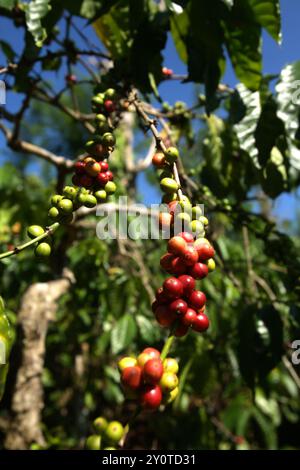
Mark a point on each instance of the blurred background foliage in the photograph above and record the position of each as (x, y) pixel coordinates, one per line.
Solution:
(240, 150)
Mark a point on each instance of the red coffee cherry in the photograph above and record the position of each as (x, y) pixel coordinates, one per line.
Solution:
(201, 323)
(188, 283)
(166, 261)
(187, 236)
(178, 307)
(103, 166)
(132, 377)
(198, 271)
(151, 397)
(197, 299)
(159, 160)
(177, 246)
(164, 317)
(181, 330)
(153, 371)
(189, 317)
(79, 168)
(109, 106)
(173, 287)
(178, 267)
(189, 256)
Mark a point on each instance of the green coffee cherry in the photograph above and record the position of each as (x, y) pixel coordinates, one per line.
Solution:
(100, 195)
(108, 139)
(172, 154)
(93, 442)
(53, 213)
(100, 424)
(98, 100)
(43, 250)
(166, 174)
(204, 220)
(211, 264)
(110, 93)
(35, 231)
(65, 206)
(110, 187)
(101, 119)
(89, 201)
(197, 227)
(196, 212)
(114, 432)
(55, 199)
(70, 191)
(169, 185)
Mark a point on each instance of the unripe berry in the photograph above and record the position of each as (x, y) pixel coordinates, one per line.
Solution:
(126, 362)
(197, 228)
(168, 185)
(100, 195)
(110, 93)
(171, 365)
(55, 199)
(211, 264)
(196, 212)
(172, 154)
(35, 231)
(159, 160)
(151, 397)
(43, 250)
(93, 442)
(108, 139)
(168, 381)
(165, 220)
(114, 432)
(132, 377)
(89, 200)
(53, 213)
(100, 424)
(204, 220)
(65, 206)
(170, 396)
(110, 187)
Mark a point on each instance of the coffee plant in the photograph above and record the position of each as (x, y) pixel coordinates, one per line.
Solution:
(177, 341)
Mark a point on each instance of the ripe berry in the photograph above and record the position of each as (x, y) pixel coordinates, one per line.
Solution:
(172, 154)
(93, 442)
(173, 207)
(198, 271)
(197, 299)
(92, 168)
(132, 377)
(167, 72)
(173, 287)
(43, 249)
(187, 236)
(178, 307)
(104, 166)
(35, 231)
(189, 256)
(201, 323)
(65, 206)
(79, 168)
(165, 220)
(190, 317)
(152, 352)
(151, 397)
(169, 381)
(109, 106)
(188, 283)
(114, 432)
(166, 260)
(153, 371)
(109, 175)
(161, 296)
(85, 181)
(100, 424)
(177, 245)
(181, 330)
(164, 317)
(159, 160)
(171, 365)
(178, 267)
(126, 362)
(102, 178)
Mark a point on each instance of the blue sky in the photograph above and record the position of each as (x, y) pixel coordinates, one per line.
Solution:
(275, 57)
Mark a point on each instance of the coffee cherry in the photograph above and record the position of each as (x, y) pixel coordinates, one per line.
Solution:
(189, 256)
(151, 397)
(146, 355)
(100, 424)
(98, 99)
(70, 192)
(167, 72)
(172, 154)
(43, 250)
(197, 299)
(196, 212)
(159, 160)
(88, 159)
(53, 213)
(93, 442)
(201, 323)
(152, 352)
(165, 220)
(164, 317)
(181, 330)
(86, 181)
(166, 174)
(178, 267)
(89, 200)
(171, 365)
(55, 199)
(166, 260)
(168, 185)
(110, 187)
(190, 317)
(35, 231)
(170, 396)
(109, 106)
(126, 362)
(161, 296)
(204, 250)
(173, 287)
(177, 245)
(110, 93)
(101, 195)
(109, 175)
(188, 283)
(65, 206)
(173, 207)
(114, 432)
(153, 371)
(197, 227)
(79, 168)
(100, 118)
(92, 168)
(169, 197)
(211, 264)
(204, 220)
(187, 236)
(104, 166)
(178, 307)
(132, 377)
(108, 139)
(168, 381)
(198, 271)
(102, 178)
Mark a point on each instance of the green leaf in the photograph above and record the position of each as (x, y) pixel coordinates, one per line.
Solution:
(34, 12)
(123, 333)
(243, 42)
(147, 332)
(267, 429)
(267, 14)
(287, 97)
(179, 30)
(8, 4)
(274, 180)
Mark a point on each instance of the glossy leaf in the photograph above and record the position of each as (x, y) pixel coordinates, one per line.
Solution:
(123, 333)
(267, 14)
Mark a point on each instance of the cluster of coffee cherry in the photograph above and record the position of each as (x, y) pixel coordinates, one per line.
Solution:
(92, 180)
(107, 435)
(149, 379)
